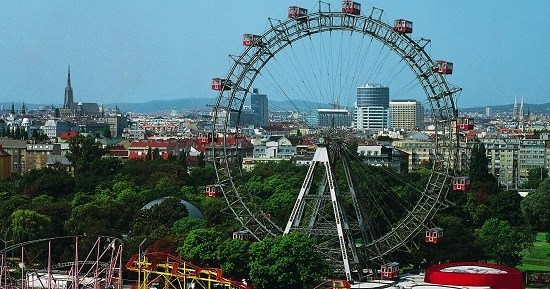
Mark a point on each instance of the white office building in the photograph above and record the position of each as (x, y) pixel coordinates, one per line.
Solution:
(407, 114)
(371, 108)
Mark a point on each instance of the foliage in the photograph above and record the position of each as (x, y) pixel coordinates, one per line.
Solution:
(479, 163)
(57, 210)
(145, 174)
(188, 224)
(477, 207)
(106, 133)
(101, 216)
(288, 261)
(537, 257)
(535, 177)
(9, 204)
(506, 206)
(83, 151)
(503, 243)
(458, 244)
(202, 176)
(201, 246)
(535, 207)
(100, 171)
(480, 177)
(234, 257)
(157, 221)
(30, 225)
(47, 181)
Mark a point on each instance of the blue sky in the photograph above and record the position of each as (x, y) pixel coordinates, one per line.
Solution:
(134, 51)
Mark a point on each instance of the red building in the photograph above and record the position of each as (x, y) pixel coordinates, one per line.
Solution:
(475, 274)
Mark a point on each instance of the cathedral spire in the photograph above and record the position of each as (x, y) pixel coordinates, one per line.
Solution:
(68, 92)
(69, 77)
(515, 111)
(521, 112)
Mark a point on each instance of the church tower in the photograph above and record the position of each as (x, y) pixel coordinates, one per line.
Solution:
(68, 92)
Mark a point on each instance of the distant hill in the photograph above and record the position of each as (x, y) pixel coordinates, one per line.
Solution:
(204, 103)
(303, 105)
(155, 106)
(543, 108)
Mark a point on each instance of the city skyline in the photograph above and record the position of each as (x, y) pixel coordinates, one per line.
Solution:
(124, 52)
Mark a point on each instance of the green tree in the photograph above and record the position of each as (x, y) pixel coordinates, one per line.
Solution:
(102, 216)
(479, 163)
(106, 133)
(535, 177)
(29, 225)
(201, 160)
(57, 210)
(182, 159)
(47, 181)
(479, 171)
(506, 206)
(158, 220)
(288, 261)
(234, 257)
(99, 172)
(9, 203)
(202, 176)
(188, 224)
(201, 246)
(458, 244)
(535, 207)
(477, 207)
(17, 133)
(83, 151)
(156, 154)
(503, 243)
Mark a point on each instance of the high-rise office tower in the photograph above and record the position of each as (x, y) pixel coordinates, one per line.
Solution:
(371, 107)
(407, 114)
(259, 106)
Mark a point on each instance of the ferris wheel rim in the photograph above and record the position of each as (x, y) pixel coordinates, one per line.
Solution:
(438, 93)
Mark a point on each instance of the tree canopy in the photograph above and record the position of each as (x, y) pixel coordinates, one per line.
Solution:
(503, 243)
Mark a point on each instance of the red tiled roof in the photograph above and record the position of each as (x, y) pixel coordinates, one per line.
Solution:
(153, 144)
(68, 135)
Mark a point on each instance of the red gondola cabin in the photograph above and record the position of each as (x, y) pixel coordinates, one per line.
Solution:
(251, 40)
(461, 183)
(403, 26)
(443, 67)
(464, 123)
(389, 270)
(212, 191)
(434, 235)
(351, 7)
(296, 12)
(220, 84)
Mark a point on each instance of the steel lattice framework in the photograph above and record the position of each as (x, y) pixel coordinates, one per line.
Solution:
(439, 94)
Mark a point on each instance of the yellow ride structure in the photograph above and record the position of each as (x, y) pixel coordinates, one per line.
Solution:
(159, 270)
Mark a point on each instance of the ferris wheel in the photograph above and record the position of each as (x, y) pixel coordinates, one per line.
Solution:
(359, 213)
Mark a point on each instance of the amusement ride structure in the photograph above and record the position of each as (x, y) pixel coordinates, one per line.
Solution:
(56, 263)
(358, 215)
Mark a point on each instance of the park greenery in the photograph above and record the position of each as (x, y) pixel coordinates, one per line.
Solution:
(106, 197)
